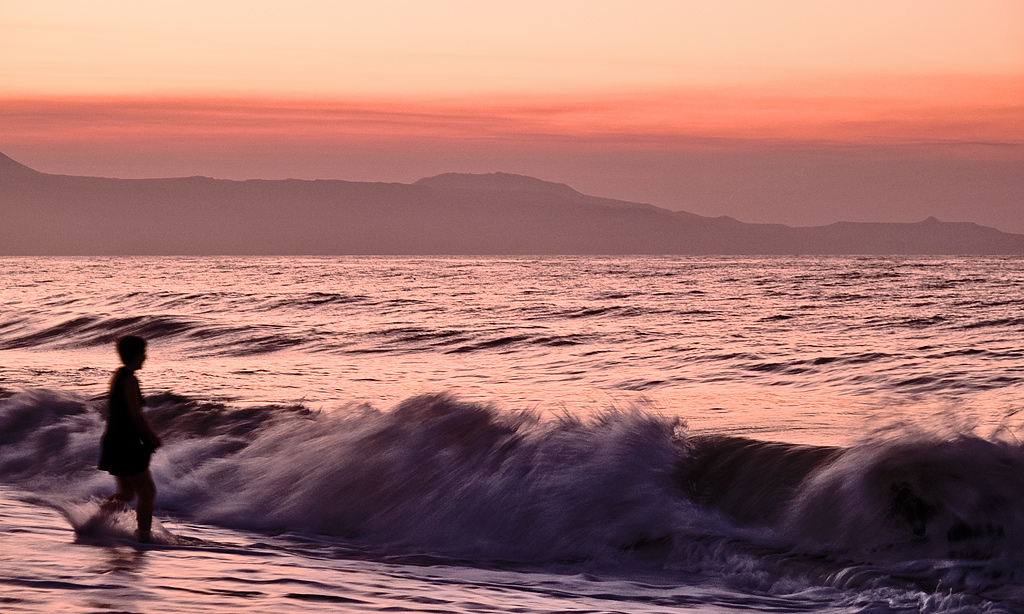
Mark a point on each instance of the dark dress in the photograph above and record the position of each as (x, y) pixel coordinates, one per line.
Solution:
(123, 452)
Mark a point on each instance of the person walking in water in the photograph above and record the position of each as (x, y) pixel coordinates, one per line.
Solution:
(129, 439)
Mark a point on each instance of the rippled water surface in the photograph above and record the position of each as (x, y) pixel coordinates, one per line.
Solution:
(785, 338)
(300, 445)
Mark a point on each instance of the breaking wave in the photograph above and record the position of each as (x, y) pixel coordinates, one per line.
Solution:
(439, 476)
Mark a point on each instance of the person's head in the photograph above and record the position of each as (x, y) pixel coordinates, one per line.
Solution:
(131, 349)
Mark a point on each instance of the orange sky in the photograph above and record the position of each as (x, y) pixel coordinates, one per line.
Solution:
(312, 48)
(984, 109)
(380, 91)
(885, 69)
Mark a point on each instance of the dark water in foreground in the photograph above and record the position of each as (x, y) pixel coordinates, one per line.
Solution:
(577, 434)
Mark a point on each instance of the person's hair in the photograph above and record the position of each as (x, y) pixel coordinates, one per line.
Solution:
(130, 346)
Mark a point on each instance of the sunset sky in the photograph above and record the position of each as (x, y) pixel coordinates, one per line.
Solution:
(794, 111)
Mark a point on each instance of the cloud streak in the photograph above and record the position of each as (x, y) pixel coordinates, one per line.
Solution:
(975, 110)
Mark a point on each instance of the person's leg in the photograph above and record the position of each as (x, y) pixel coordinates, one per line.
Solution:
(142, 485)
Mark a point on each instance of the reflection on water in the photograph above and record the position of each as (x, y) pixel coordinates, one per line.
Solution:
(126, 559)
(798, 342)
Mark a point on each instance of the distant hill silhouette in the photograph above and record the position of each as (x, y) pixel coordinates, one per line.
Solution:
(507, 182)
(498, 213)
(11, 167)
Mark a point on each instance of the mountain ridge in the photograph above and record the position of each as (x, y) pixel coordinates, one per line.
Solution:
(9, 165)
(451, 213)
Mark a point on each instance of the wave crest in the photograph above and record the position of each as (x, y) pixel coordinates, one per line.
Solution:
(441, 476)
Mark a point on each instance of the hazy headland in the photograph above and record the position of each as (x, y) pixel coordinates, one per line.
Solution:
(496, 214)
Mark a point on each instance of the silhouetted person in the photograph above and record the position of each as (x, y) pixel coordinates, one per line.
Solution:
(129, 439)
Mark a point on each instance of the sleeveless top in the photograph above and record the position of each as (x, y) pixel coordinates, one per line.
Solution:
(123, 452)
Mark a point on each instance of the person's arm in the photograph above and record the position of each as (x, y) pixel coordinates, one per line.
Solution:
(134, 400)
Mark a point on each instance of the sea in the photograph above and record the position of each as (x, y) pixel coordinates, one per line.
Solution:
(521, 434)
